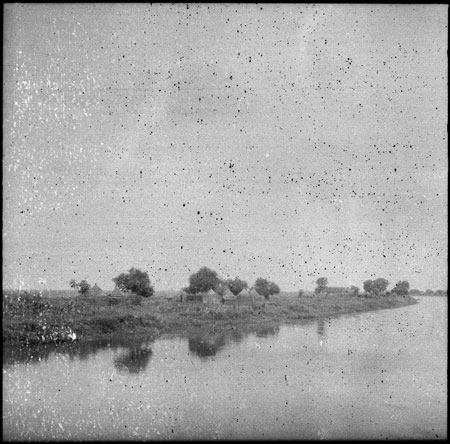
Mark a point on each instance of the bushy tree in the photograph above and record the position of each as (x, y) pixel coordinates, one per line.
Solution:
(203, 280)
(367, 285)
(236, 285)
(376, 287)
(322, 283)
(401, 288)
(380, 285)
(135, 281)
(266, 288)
(82, 286)
(273, 288)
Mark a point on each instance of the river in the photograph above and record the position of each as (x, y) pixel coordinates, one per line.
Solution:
(377, 375)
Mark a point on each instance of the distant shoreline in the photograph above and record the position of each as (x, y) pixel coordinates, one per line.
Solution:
(31, 321)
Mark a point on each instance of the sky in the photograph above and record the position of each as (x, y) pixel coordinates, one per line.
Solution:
(284, 141)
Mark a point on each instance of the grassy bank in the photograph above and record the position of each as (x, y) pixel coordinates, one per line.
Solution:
(33, 319)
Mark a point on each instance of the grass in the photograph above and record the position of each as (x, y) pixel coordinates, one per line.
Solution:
(38, 319)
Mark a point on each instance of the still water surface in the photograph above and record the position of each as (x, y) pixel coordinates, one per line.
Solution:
(379, 375)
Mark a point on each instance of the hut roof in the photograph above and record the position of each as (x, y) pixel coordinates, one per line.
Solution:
(253, 292)
(244, 295)
(117, 292)
(212, 295)
(228, 294)
(95, 291)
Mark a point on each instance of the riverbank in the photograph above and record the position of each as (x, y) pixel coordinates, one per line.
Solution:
(43, 320)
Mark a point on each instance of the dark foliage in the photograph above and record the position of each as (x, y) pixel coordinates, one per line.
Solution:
(135, 281)
(203, 280)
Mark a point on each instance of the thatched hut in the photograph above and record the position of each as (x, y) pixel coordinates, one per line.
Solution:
(211, 297)
(229, 298)
(95, 291)
(257, 298)
(244, 297)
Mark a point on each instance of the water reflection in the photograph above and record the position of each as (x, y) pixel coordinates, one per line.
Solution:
(207, 344)
(267, 331)
(136, 353)
(321, 331)
(134, 359)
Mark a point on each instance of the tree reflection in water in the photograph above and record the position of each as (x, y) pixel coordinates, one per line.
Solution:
(134, 360)
(266, 331)
(321, 331)
(138, 352)
(207, 344)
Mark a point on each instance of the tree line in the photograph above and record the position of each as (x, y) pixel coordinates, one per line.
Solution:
(371, 287)
(205, 279)
(138, 282)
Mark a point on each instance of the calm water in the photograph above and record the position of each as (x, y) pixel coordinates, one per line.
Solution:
(378, 375)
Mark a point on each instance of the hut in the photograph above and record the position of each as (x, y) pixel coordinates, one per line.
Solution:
(211, 297)
(228, 295)
(117, 293)
(95, 291)
(256, 297)
(244, 297)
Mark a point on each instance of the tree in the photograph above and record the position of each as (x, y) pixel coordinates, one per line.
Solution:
(273, 288)
(203, 280)
(367, 285)
(376, 287)
(266, 288)
(82, 286)
(236, 285)
(380, 285)
(135, 281)
(401, 288)
(322, 283)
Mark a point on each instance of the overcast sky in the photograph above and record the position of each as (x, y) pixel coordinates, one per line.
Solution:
(283, 141)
